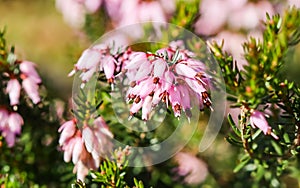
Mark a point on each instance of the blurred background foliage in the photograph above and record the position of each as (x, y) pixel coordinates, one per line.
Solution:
(38, 32)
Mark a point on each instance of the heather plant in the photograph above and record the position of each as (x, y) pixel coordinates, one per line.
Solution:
(169, 94)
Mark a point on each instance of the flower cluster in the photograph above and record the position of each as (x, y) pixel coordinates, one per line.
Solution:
(257, 119)
(17, 75)
(98, 58)
(135, 11)
(10, 125)
(30, 83)
(191, 168)
(74, 10)
(171, 75)
(85, 147)
(236, 14)
(121, 12)
(229, 20)
(235, 21)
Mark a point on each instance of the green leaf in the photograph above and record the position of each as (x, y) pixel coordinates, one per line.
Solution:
(233, 125)
(136, 183)
(276, 147)
(286, 138)
(259, 173)
(234, 141)
(118, 182)
(241, 164)
(141, 185)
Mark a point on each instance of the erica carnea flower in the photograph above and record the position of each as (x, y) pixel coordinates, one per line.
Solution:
(30, 83)
(171, 75)
(135, 11)
(242, 14)
(10, 126)
(29, 71)
(232, 22)
(191, 168)
(74, 11)
(85, 147)
(13, 89)
(97, 138)
(257, 119)
(31, 80)
(3, 117)
(98, 58)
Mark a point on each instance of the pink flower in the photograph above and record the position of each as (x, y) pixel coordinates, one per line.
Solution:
(131, 12)
(85, 147)
(108, 65)
(3, 117)
(67, 131)
(11, 126)
(31, 80)
(113, 8)
(171, 75)
(31, 88)
(191, 168)
(92, 5)
(74, 11)
(10, 137)
(15, 121)
(233, 21)
(135, 11)
(257, 119)
(97, 58)
(249, 16)
(13, 89)
(214, 14)
(146, 10)
(74, 149)
(28, 68)
(147, 107)
(295, 3)
(97, 138)
(86, 163)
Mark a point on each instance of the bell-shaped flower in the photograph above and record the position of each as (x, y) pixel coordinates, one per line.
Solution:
(12, 127)
(85, 147)
(95, 59)
(192, 169)
(67, 131)
(3, 118)
(13, 89)
(15, 121)
(32, 89)
(92, 5)
(257, 119)
(28, 68)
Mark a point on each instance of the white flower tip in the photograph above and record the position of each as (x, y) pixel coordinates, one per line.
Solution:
(72, 73)
(274, 136)
(189, 120)
(36, 100)
(82, 85)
